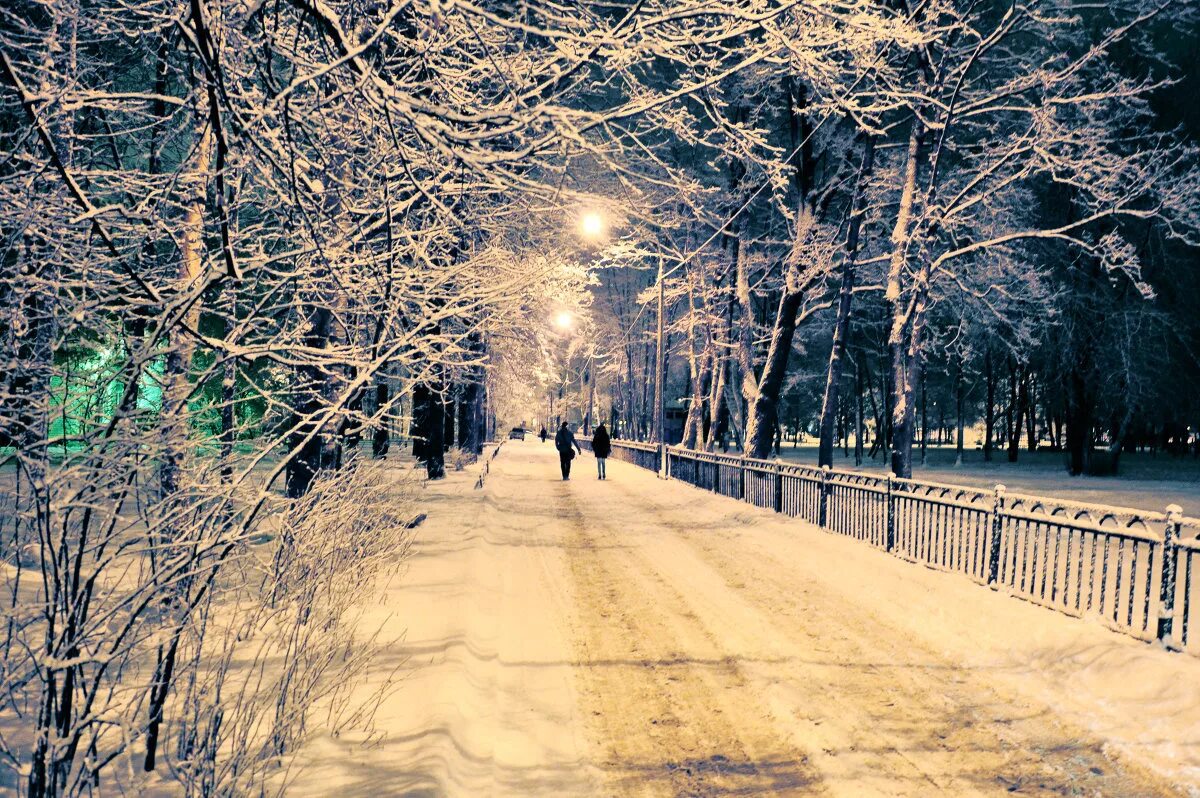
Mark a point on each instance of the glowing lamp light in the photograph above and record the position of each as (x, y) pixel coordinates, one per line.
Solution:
(563, 320)
(591, 224)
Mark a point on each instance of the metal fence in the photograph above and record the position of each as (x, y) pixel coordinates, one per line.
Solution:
(643, 455)
(1131, 569)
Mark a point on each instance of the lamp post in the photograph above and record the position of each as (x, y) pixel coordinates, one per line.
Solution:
(592, 227)
(659, 387)
(565, 321)
(587, 421)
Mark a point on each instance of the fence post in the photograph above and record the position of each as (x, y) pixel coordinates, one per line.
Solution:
(742, 477)
(779, 488)
(823, 507)
(1166, 596)
(891, 515)
(994, 543)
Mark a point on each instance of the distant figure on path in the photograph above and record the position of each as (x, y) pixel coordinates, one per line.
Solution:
(602, 448)
(564, 441)
(542, 434)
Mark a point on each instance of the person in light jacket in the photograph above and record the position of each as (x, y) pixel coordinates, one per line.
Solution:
(602, 448)
(564, 441)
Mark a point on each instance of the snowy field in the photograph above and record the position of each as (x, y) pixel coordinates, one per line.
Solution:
(635, 637)
(1146, 482)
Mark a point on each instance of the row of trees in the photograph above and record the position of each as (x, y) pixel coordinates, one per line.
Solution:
(914, 203)
(240, 239)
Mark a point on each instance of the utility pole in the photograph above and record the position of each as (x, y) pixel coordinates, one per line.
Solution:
(587, 419)
(660, 387)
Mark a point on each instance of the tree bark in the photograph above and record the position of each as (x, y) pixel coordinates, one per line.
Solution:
(859, 429)
(1031, 416)
(1079, 423)
(1021, 398)
(305, 441)
(904, 319)
(959, 409)
(745, 336)
(924, 419)
(841, 327)
(764, 410)
(429, 429)
(381, 439)
(191, 268)
(989, 412)
(717, 407)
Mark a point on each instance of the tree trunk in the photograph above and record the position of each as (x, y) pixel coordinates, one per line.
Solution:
(630, 396)
(429, 422)
(477, 421)
(877, 442)
(904, 320)
(841, 327)
(717, 408)
(1031, 403)
(745, 329)
(1021, 389)
(698, 364)
(959, 408)
(591, 401)
(660, 364)
(462, 415)
(990, 410)
(924, 419)
(1012, 419)
(228, 420)
(191, 268)
(764, 410)
(644, 421)
(1079, 423)
(381, 439)
(859, 430)
(450, 420)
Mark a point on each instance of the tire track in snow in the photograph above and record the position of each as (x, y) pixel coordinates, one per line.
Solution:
(669, 706)
(882, 727)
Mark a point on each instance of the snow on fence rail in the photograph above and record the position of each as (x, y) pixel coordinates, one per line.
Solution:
(1131, 569)
(640, 454)
(490, 450)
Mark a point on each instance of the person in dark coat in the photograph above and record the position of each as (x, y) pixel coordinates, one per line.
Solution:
(564, 441)
(602, 448)
(542, 434)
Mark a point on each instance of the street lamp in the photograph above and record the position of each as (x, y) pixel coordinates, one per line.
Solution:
(565, 321)
(660, 382)
(591, 225)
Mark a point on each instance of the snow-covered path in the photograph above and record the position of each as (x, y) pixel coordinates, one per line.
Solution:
(635, 637)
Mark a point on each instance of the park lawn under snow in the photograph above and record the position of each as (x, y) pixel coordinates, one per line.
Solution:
(640, 637)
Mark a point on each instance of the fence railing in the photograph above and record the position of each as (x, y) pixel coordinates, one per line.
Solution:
(490, 450)
(643, 455)
(1131, 569)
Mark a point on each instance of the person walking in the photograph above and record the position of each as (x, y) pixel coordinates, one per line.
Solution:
(542, 434)
(564, 441)
(602, 448)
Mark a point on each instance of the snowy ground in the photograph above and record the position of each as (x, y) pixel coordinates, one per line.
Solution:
(1146, 482)
(634, 637)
